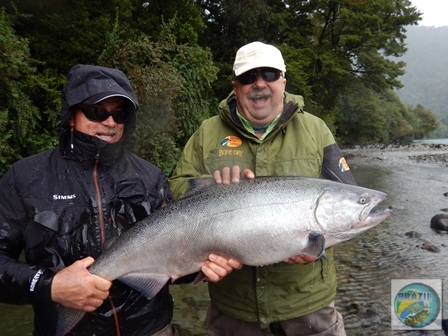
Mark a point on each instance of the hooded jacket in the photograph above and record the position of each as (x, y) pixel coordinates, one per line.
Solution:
(299, 145)
(61, 205)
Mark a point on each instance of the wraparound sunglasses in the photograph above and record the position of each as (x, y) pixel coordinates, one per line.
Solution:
(268, 74)
(98, 114)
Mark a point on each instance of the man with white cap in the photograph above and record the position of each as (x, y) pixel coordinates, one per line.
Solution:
(261, 130)
(60, 207)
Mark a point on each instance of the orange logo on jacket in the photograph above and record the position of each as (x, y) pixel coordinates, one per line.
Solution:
(343, 165)
(231, 141)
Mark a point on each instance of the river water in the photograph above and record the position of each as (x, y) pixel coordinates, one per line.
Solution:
(366, 264)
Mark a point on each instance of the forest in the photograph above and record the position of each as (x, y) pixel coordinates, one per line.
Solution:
(342, 56)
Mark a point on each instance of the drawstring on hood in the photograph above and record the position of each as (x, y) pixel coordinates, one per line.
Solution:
(71, 138)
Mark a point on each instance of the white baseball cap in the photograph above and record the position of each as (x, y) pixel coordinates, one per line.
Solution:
(257, 55)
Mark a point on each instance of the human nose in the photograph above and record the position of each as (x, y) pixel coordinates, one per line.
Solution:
(259, 81)
(109, 121)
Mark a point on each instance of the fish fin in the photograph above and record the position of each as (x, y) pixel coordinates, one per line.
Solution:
(108, 243)
(68, 318)
(323, 256)
(199, 277)
(316, 245)
(198, 183)
(148, 284)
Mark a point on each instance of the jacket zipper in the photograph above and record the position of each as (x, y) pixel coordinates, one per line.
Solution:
(102, 229)
(98, 198)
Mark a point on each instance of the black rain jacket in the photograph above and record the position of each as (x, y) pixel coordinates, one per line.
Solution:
(58, 206)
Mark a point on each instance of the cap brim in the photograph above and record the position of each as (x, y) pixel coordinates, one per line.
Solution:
(104, 95)
(255, 65)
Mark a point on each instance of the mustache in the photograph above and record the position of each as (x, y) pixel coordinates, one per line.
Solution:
(256, 93)
(110, 132)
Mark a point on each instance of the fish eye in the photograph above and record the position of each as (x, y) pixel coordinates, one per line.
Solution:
(363, 200)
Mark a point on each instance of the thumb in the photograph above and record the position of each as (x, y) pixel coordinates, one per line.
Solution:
(86, 262)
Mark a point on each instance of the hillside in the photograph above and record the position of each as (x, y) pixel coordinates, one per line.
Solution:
(426, 78)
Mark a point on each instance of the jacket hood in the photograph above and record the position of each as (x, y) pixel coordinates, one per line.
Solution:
(90, 82)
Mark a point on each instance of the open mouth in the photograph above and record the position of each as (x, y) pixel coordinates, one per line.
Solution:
(260, 100)
(105, 136)
(377, 216)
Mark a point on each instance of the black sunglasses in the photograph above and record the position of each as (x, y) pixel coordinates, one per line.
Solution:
(268, 74)
(98, 114)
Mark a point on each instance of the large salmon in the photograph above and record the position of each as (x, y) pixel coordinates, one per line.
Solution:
(258, 222)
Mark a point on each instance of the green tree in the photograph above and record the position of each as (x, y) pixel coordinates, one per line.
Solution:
(367, 116)
(347, 40)
(427, 121)
(400, 122)
(362, 118)
(233, 23)
(62, 33)
(173, 87)
(24, 128)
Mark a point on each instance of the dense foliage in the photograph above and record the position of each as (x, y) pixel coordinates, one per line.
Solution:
(179, 55)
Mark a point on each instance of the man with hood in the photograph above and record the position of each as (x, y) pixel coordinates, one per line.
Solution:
(262, 130)
(49, 208)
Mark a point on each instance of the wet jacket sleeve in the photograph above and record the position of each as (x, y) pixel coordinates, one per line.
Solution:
(20, 283)
(334, 166)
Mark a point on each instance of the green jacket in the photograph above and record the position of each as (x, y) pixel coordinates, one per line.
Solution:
(300, 145)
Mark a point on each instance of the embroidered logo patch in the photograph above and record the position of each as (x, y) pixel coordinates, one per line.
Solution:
(231, 141)
(343, 165)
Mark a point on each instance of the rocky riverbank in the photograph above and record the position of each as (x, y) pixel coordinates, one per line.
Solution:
(420, 153)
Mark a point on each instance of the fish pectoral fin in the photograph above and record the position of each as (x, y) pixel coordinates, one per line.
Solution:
(323, 255)
(199, 278)
(109, 243)
(315, 245)
(148, 284)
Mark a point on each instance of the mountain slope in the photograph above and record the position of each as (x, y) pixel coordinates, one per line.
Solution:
(426, 78)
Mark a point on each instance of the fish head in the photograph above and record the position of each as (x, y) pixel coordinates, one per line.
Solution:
(345, 211)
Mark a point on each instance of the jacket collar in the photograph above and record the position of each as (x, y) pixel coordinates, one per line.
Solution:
(87, 149)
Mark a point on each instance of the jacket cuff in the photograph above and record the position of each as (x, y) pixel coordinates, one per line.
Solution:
(41, 285)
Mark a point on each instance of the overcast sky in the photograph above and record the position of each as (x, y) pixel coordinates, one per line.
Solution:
(434, 12)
